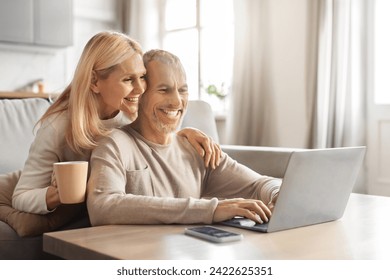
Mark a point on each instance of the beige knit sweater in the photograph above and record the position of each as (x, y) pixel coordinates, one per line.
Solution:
(49, 146)
(134, 181)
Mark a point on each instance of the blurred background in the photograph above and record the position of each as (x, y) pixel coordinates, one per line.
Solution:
(279, 73)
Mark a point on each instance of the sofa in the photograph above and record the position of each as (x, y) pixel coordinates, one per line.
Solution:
(18, 117)
(21, 233)
(21, 238)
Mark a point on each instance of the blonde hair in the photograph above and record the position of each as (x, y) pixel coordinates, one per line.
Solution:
(100, 56)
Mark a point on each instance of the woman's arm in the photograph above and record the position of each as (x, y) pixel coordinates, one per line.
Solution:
(209, 150)
(31, 192)
(52, 195)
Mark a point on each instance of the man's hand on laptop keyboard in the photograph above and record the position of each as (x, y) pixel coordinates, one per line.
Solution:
(252, 209)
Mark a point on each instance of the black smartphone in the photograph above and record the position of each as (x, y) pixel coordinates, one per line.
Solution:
(213, 234)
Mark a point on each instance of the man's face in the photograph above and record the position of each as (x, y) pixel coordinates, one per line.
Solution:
(166, 98)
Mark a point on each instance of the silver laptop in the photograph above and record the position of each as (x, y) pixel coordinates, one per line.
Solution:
(315, 189)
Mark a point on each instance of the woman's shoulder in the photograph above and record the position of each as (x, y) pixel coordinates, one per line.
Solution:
(118, 121)
(56, 123)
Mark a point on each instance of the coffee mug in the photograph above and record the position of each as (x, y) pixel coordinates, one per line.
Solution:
(71, 178)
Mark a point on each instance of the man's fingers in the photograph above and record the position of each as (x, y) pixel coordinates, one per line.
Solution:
(255, 210)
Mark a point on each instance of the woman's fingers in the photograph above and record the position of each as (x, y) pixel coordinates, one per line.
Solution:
(212, 152)
(53, 180)
(208, 152)
(217, 154)
(205, 146)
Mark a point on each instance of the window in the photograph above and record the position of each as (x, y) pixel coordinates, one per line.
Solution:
(201, 33)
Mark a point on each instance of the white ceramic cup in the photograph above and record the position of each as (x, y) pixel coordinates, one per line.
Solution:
(71, 177)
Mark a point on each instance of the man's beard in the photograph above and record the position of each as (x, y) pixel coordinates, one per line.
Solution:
(164, 127)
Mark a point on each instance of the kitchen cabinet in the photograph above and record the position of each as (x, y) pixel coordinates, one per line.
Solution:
(37, 22)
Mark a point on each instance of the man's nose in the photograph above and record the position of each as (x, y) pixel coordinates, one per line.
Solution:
(175, 97)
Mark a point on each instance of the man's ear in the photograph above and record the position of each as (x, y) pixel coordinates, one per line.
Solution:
(94, 82)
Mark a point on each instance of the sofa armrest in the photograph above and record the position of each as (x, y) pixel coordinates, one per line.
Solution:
(270, 161)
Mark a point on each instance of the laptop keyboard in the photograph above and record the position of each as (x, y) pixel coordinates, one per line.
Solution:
(246, 223)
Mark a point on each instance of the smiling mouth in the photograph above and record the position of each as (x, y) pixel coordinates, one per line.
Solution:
(132, 99)
(172, 113)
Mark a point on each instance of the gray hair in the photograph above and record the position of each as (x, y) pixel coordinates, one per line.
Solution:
(163, 57)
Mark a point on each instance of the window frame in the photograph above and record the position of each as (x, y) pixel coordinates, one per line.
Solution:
(199, 28)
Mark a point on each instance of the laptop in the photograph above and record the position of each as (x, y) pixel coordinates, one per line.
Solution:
(315, 189)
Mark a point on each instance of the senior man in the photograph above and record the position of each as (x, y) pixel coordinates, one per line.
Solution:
(144, 173)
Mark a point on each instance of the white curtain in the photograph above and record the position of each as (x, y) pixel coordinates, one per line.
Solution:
(335, 104)
(251, 85)
(141, 22)
(339, 107)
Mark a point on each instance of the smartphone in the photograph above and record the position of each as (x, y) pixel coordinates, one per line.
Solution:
(213, 234)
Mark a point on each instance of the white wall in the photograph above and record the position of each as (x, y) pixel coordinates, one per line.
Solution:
(20, 64)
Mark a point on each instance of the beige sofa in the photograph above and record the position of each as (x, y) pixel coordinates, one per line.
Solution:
(24, 239)
(270, 161)
(18, 117)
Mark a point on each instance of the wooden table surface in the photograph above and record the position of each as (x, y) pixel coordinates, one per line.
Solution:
(362, 233)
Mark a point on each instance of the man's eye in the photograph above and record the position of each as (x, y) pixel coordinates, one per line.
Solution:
(183, 91)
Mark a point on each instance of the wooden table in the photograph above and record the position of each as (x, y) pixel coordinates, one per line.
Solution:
(362, 233)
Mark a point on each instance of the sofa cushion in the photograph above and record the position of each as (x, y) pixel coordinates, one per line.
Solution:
(17, 121)
(27, 224)
(200, 115)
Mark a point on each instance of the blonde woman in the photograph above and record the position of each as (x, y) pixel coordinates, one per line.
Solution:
(103, 94)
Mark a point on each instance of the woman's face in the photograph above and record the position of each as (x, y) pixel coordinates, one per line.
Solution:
(121, 90)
